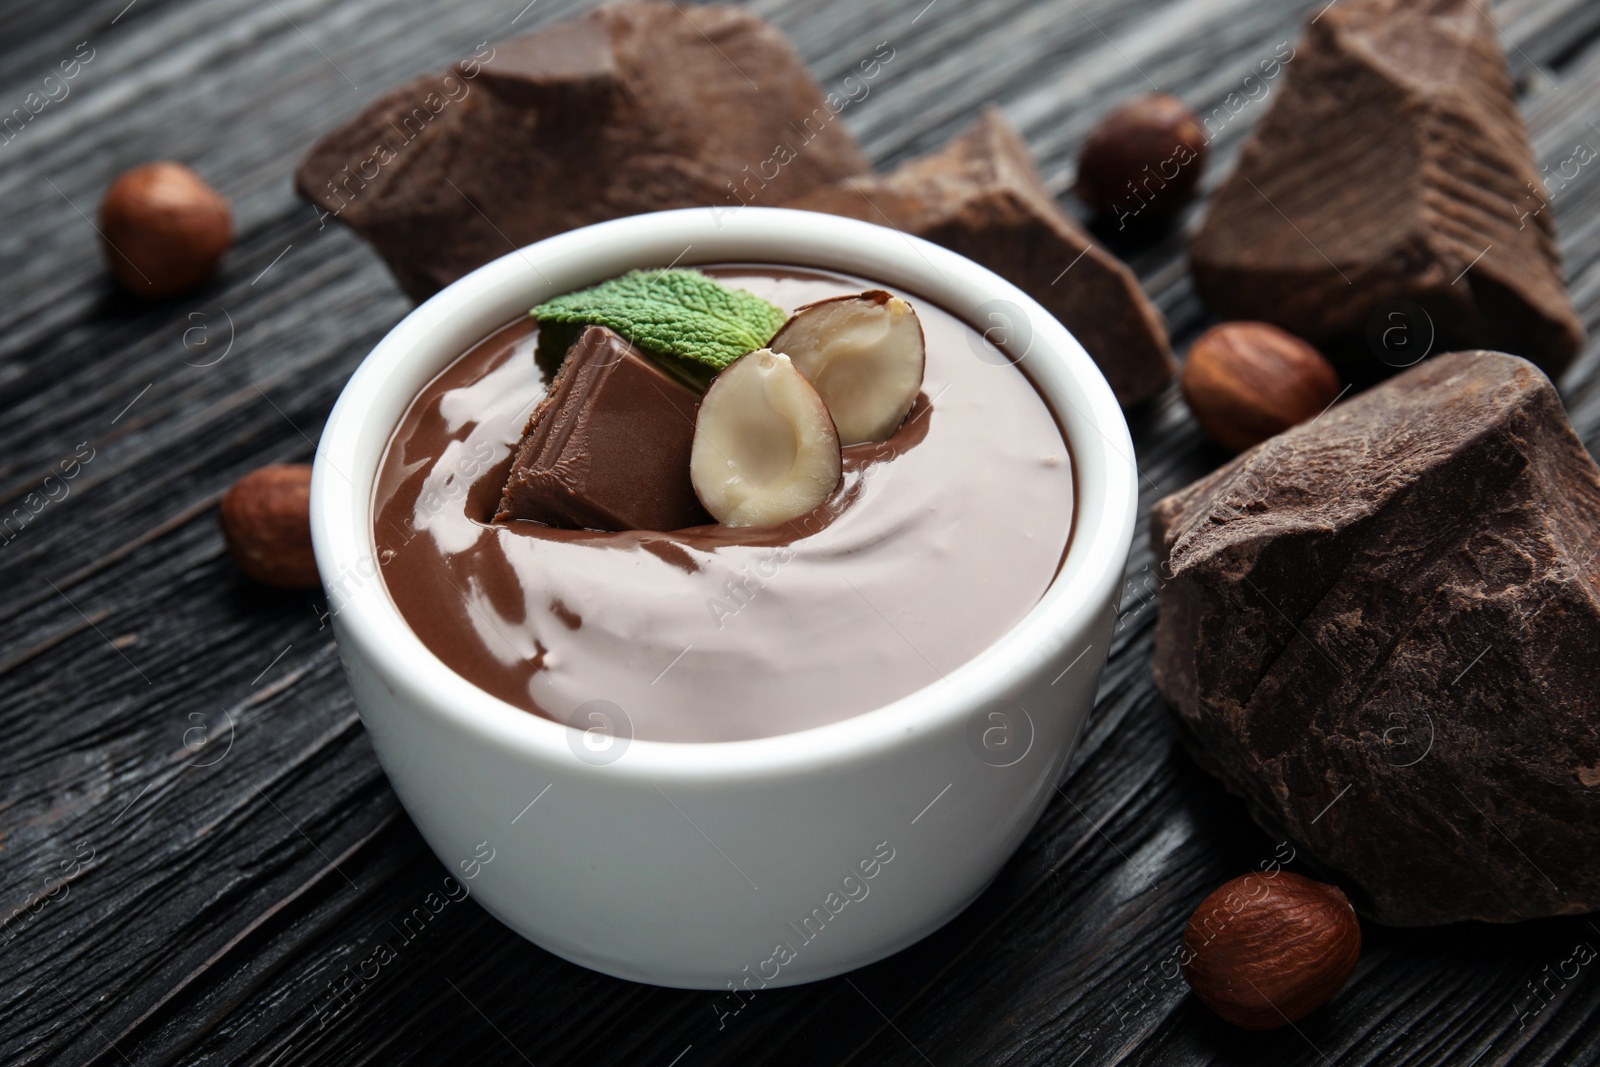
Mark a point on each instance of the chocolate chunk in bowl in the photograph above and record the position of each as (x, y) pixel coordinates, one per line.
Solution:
(608, 446)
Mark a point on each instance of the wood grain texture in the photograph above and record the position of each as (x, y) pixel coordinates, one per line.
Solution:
(195, 837)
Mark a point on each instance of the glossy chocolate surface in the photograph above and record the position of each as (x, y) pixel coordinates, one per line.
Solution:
(936, 543)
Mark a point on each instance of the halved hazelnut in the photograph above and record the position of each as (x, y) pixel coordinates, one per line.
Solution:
(863, 354)
(765, 449)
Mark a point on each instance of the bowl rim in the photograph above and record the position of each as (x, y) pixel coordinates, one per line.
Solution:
(1085, 585)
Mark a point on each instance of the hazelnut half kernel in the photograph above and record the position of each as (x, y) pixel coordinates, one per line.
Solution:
(1264, 951)
(164, 229)
(1246, 381)
(765, 448)
(266, 524)
(864, 356)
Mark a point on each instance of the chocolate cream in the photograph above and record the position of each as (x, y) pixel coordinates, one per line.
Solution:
(936, 543)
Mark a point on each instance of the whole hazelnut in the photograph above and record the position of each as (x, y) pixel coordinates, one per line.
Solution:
(164, 229)
(1246, 381)
(1266, 950)
(266, 524)
(1143, 161)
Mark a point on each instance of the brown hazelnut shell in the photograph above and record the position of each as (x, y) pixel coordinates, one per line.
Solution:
(266, 524)
(1266, 950)
(163, 229)
(1247, 381)
(1154, 142)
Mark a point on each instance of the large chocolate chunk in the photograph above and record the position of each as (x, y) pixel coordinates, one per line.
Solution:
(981, 196)
(1382, 630)
(1393, 166)
(636, 107)
(608, 446)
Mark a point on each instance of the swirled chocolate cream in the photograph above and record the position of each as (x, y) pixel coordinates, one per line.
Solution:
(732, 502)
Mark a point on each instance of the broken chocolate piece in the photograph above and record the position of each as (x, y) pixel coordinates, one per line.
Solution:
(1381, 630)
(567, 66)
(636, 107)
(608, 446)
(1393, 166)
(981, 196)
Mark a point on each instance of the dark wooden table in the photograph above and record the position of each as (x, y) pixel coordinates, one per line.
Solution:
(195, 837)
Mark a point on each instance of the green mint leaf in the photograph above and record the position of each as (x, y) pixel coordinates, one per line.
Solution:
(679, 313)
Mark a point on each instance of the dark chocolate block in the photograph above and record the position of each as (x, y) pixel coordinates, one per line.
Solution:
(608, 446)
(635, 107)
(981, 196)
(1392, 166)
(1382, 630)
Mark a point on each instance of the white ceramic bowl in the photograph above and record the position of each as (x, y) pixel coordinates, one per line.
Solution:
(736, 864)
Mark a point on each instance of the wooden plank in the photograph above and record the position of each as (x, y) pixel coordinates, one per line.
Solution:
(177, 901)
